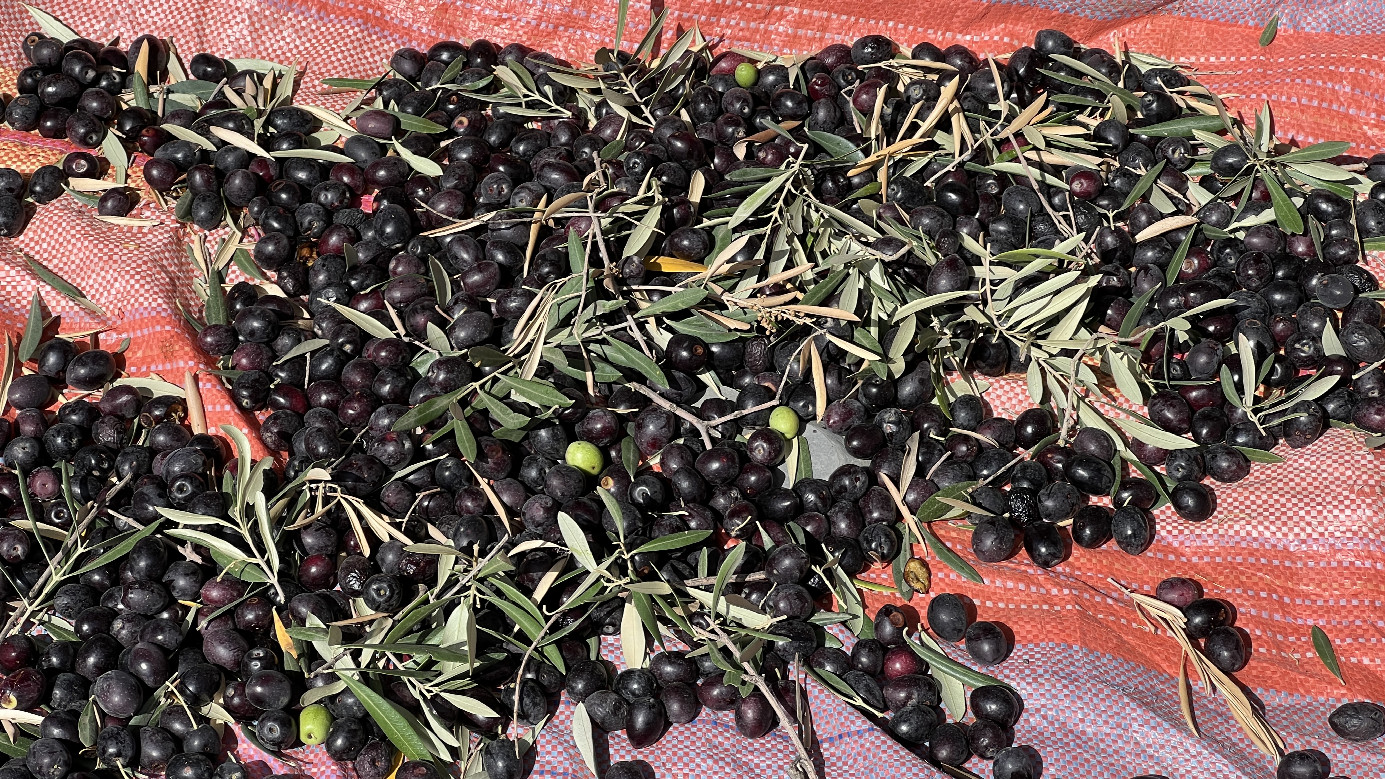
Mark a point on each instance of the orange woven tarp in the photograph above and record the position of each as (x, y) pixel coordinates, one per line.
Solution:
(1295, 545)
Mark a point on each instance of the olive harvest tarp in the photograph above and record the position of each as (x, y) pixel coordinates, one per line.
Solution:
(1295, 545)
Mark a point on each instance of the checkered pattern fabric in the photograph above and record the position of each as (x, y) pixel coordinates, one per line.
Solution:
(1295, 545)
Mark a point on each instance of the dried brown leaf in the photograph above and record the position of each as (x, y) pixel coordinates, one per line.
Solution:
(197, 415)
(1185, 695)
(1166, 225)
(561, 203)
(940, 110)
(1029, 116)
(819, 379)
(496, 502)
(824, 311)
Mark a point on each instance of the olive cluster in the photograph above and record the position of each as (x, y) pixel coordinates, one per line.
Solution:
(142, 641)
(340, 403)
(73, 91)
(118, 648)
(1209, 620)
(1212, 621)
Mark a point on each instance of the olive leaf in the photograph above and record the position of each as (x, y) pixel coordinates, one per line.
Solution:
(671, 541)
(238, 567)
(625, 355)
(1142, 186)
(1271, 29)
(212, 542)
(257, 65)
(1316, 152)
(310, 345)
(949, 557)
(577, 542)
(954, 692)
(758, 198)
(1285, 213)
(934, 508)
(312, 154)
(153, 384)
(124, 543)
(461, 431)
(185, 134)
(442, 283)
(50, 25)
(1153, 436)
(427, 411)
(247, 265)
(67, 289)
(139, 86)
(350, 83)
(1132, 317)
(1181, 254)
(1183, 127)
(1260, 455)
(678, 301)
(1331, 344)
(1322, 172)
(87, 724)
(391, 719)
(419, 163)
(33, 329)
(415, 124)
(632, 637)
(732, 561)
(1322, 645)
(639, 240)
(837, 146)
(939, 661)
(363, 321)
(114, 151)
(18, 747)
(537, 393)
(629, 456)
(804, 468)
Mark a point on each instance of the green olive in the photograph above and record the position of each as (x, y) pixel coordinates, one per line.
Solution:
(585, 457)
(313, 723)
(785, 420)
(747, 74)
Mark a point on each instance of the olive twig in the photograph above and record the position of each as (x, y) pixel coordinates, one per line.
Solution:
(803, 766)
(79, 528)
(667, 406)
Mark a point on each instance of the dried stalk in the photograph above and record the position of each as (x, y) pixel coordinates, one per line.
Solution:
(1256, 728)
(704, 428)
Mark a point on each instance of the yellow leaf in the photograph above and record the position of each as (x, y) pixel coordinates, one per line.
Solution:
(285, 642)
(398, 761)
(819, 379)
(673, 265)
